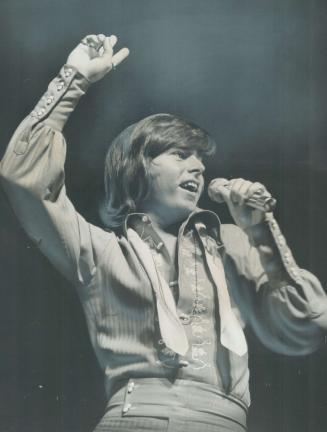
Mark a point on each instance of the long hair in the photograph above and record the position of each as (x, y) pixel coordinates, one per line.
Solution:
(126, 176)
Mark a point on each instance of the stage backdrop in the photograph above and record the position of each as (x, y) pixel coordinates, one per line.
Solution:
(253, 73)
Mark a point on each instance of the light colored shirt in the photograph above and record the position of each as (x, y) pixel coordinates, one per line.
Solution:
(197, 305)
(285, 305)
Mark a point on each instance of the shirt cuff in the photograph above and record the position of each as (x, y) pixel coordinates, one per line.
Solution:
(268, 232)
(62, 96)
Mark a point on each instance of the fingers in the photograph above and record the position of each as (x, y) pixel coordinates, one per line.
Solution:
(108, 43)
(107, 56)
(104, 45)
(120, 56)
(93, 41)
(113, 40)
(241, 190)
(94, 58)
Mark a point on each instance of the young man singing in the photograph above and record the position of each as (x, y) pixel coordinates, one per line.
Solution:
(166, 289)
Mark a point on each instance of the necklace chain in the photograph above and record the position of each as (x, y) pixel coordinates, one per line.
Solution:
(198, 306)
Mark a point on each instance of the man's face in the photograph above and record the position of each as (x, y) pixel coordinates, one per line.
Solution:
(176, 186)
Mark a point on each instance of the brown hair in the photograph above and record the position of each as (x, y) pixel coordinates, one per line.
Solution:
(126, 166)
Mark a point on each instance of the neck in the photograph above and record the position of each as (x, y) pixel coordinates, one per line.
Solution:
(164, 225)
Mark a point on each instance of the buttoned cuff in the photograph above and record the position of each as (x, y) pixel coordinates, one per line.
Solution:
(62, 96)
(268, 233)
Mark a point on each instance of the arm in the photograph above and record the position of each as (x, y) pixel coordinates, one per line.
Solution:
(285, 305)
(32, 170)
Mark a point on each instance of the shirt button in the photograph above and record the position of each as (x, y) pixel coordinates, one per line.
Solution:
(186, 319)
(41, 112)
(130, 387)
(126, 408)
(159, 246)
(145, 219)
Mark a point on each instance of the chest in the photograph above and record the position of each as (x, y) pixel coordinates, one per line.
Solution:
(166, 257)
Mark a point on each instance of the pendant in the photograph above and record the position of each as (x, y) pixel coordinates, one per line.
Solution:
(198, 307)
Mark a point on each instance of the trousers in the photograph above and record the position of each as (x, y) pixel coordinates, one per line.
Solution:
(156, 404)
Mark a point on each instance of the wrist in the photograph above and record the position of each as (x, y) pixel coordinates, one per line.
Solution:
(275, 255)
(61, 97)
(80, 70)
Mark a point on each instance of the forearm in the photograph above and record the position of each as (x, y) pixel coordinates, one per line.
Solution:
(35, 156)
(275, 255)
(290, 311)
(64, 93)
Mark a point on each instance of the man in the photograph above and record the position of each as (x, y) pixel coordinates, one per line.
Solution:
(166, 289)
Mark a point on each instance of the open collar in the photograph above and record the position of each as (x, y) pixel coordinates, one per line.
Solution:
(142, 224)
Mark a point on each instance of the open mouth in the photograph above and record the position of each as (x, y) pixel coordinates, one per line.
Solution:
(190, 186)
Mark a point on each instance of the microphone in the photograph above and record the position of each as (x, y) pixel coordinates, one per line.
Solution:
(260, 200)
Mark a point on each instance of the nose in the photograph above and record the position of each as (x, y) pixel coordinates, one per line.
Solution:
(195, 164)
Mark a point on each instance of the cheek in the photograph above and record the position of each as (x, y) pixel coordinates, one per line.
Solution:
(161, 182)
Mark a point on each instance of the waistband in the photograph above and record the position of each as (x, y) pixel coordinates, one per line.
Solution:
(160, 397)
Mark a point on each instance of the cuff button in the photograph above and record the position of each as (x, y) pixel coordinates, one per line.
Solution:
(49, 100)
(281, 240)
(68, 72)
(294, 273)
(274, 226)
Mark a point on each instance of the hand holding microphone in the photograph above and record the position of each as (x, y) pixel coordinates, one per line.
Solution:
(219, 189)
(248, 202)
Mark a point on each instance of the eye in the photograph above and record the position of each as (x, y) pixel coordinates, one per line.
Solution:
(181, 154)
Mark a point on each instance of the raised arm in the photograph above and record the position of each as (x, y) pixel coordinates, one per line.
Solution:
(32, 170)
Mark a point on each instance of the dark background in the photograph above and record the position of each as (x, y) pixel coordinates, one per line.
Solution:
(253, 73)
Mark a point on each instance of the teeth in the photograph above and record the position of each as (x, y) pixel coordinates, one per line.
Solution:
(190, 185)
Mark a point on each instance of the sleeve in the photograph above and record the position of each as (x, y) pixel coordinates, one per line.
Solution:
(32, 174)
(285, 306)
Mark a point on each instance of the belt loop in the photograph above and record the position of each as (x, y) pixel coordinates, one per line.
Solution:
(127, 397)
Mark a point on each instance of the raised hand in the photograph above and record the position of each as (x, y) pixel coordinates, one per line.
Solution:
(94, 56)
